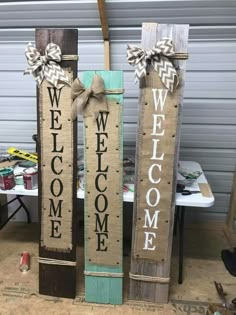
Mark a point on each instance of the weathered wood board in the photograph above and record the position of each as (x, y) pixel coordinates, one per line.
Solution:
(57, 173)
(156, 166)
(230, 226)
(103, 193)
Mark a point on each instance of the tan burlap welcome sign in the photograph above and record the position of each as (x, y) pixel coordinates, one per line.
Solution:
(156, 149)
(102, 110)
(103, 187)
(56, 165)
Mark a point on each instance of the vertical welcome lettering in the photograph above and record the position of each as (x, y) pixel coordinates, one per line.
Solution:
(101, 201)
(57, 171)
(56, 186)
(153, 194)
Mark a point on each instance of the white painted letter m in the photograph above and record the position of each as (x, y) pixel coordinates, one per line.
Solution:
(151, 222)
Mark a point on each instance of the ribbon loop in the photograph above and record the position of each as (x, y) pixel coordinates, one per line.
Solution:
(81, 97)
(159, 58)
(46, 66)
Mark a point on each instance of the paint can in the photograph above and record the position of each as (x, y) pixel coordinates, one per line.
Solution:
(30, 178)
(7, 180)
(25, 261)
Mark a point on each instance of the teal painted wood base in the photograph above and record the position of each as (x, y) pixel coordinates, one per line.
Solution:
(103, 290)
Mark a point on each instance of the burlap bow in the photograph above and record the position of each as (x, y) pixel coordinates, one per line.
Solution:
(82, 97)
(46, 66)
(159, 59)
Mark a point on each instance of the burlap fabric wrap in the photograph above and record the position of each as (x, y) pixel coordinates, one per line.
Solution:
(64, 140)
(167, 146)
(88, 102)
(92, 103)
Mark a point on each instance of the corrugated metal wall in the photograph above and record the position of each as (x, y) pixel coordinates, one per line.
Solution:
(209, 114)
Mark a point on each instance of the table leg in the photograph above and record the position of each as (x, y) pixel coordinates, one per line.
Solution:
(181, 243)
(11, 216)
(25, 208)
(176, 220)
(22, 205)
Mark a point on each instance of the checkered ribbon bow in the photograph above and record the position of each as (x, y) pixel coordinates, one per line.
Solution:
(46, 66)
(159, 58)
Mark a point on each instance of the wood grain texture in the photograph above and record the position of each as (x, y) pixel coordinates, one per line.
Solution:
(140, 290)
(230, 228)
(107, 61)
(59, 280)
(103, 19)
(105, 290)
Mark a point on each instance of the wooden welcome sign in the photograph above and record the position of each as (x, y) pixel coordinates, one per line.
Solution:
(103, 189)
(156, 166)
(57, 170)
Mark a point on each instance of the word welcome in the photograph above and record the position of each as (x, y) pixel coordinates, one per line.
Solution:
(56, 165)
(101, 200)
(153, 195)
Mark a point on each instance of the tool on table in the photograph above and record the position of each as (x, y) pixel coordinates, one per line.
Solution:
(221, 293)
(23, 154)
(180, 188)
(189, 192)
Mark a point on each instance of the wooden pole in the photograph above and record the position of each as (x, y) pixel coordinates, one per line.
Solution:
(156, 167)
(103, 19)
(107, 62)
(57, 270)
(105, 33)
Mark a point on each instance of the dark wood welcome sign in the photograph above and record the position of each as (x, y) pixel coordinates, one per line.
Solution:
(156, 165)
(57, 170)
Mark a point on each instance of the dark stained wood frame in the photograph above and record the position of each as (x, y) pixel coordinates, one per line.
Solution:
(57, 280)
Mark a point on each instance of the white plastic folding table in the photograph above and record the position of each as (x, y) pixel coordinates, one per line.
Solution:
(182, 201)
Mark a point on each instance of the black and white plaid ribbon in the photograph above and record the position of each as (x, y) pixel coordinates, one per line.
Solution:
(46, 66)
(159, 58)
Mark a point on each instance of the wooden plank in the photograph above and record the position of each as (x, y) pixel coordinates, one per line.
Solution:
(58, 280)
(105, 33)
(107, 61)
(104, 289)
(230, 225)
(144, 290)
(103, 19)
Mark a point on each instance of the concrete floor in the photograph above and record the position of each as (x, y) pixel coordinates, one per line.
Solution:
(202, 265)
